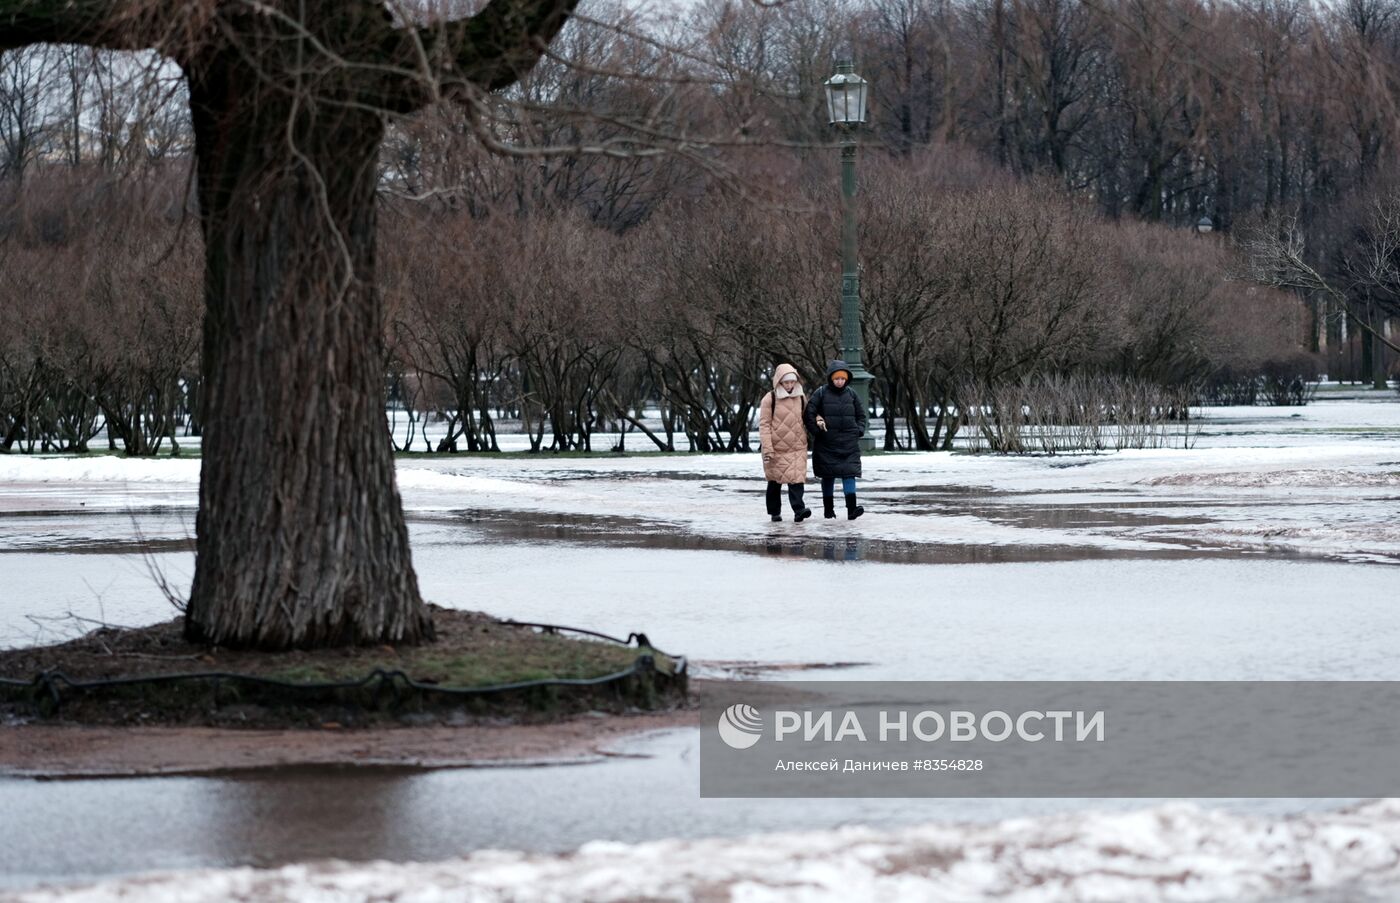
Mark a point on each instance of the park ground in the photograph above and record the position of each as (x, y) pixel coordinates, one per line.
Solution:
(1265, 551)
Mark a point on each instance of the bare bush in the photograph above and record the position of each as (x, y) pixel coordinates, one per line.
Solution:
(1078, 413)
(108, 334)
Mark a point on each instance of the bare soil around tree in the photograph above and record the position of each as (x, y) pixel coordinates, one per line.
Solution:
(480, 672)
(74, 751)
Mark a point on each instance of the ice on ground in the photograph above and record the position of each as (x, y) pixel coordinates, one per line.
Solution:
(1313, 478)
(1321, 482)
(1330, 492)
(1176, 852)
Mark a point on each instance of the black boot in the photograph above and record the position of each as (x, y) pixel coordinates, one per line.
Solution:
(853, 510)
(829, 504)
(800, 511)
(774, 500)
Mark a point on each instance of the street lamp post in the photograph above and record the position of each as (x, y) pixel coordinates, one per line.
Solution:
(846, 95)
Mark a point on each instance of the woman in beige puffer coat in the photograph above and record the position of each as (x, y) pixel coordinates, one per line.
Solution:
(783, 438)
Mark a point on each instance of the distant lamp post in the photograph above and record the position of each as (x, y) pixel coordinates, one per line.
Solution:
(1204, 225)
(846, 96)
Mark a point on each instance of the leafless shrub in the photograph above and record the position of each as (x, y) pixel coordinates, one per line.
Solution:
(1077, 413)
(108, 334)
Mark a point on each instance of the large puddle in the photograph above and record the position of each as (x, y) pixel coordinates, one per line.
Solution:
(844, 542)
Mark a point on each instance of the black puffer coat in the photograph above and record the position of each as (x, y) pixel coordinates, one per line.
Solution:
(836, 452)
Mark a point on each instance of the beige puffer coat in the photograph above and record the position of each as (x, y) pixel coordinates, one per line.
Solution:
(781, 433)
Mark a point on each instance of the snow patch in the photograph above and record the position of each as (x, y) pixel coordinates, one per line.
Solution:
(97, 469)
(1176, 852)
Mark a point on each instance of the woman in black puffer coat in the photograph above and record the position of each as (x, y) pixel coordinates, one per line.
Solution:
(836, 419)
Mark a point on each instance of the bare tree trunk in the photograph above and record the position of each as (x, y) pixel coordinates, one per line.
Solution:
(301, 538)
(999, 38)
(1368, 346)
(1377, 373)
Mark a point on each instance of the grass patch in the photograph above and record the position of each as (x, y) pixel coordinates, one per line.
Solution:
(542, 657)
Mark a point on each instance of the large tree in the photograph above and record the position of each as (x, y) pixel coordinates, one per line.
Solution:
(301, 539)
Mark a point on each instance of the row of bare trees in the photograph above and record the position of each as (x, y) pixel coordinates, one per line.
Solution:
(1161, 109)
(100, 328)
(562, 328)
(1257, 115)
(85, 106)
(972, 279)
(1252, 113)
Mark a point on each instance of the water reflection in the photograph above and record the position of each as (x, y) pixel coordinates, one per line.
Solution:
(849, 550)
(831, 549)
(469, 527)
(268, 812)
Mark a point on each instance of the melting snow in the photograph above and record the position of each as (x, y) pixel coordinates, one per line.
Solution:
(1176, 852)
